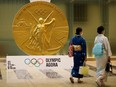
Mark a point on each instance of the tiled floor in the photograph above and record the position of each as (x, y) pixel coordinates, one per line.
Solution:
(50, 78)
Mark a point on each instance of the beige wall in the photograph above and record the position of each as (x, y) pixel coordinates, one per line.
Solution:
(89, 26)
(112, 27)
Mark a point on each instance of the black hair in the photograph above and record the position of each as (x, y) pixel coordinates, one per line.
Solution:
(100, 29)
(78, 30)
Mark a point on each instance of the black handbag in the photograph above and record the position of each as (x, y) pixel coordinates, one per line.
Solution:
(108, 67)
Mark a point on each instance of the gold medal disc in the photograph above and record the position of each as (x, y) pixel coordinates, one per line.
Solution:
(40, 28)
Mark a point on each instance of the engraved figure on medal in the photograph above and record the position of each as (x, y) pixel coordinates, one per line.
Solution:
(38, 37)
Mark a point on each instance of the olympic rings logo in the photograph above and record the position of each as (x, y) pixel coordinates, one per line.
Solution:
(34, 61)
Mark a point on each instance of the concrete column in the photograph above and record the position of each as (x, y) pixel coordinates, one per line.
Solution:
(70, 19)
(104, 8)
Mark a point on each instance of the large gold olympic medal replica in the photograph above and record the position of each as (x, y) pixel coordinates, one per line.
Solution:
(40, 28)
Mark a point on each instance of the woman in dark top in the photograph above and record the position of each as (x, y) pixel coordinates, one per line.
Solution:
(79, 54)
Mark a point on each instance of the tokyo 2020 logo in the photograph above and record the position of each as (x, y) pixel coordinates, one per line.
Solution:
(34, 61)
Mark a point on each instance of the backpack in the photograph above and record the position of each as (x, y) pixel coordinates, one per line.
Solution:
(98, 50)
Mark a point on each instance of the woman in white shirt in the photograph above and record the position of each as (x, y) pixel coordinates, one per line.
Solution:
(101, 74)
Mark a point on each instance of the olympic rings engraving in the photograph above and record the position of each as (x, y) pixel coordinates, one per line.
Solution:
(34, 61)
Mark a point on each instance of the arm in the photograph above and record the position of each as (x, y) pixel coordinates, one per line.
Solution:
(107, 48)
(53, 19)
(84, 53)
(70, 49)
(95, 41)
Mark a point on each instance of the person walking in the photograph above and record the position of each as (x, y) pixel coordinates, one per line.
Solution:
(101, 61)
(77, 49)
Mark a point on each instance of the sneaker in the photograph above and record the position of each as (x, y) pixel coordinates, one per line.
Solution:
(71, 80)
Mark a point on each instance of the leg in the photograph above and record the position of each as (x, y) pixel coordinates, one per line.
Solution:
(79, 81)
(100, 80)
(71, 79)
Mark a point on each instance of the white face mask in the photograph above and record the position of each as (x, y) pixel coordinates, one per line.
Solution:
(81, 33)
